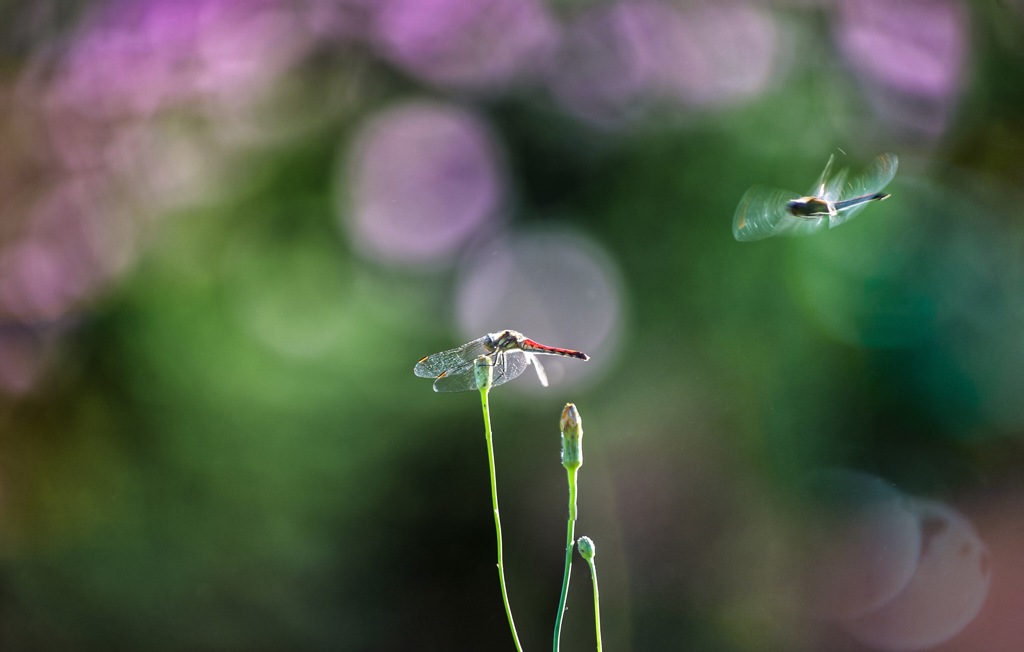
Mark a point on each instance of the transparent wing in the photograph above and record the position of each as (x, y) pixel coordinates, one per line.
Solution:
(829, 185)
(818, 189)
(460, 379)
(436, 364)
(762, 214)
(542, 376)
(874, 178)
(871, 181)
(507, 365)
(834, 186)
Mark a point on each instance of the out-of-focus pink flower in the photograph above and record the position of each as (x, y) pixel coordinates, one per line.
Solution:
(721, 54)
(136, 111)
(618, 60)
(910, 54)
(130, 62)
(67, 250)
(421, 179)
(134, 58)
(334, 20)
(466, 43)
(606, 67)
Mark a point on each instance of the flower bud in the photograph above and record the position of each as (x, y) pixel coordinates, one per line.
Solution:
(572, 437)
(483, 370)
(586, 547)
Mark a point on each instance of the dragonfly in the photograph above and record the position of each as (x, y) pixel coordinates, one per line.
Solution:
(508, 351)
(834, 199)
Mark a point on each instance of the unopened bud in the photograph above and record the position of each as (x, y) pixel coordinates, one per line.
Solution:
(483, 370)
(586, 547)
(571, 426)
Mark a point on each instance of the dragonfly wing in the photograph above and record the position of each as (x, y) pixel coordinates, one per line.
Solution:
(818, 190)
(871, 181)
(460, 379)
(874, 178)
(834, 187)
(509, 365)
(762, 213)
(542, 376)
(436, 364)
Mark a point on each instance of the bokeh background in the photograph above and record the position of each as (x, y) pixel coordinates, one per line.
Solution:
(229, 228)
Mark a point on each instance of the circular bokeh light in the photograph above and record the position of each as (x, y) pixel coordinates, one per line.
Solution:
(421, 178)
(862, 546)
(467, 43)
(946, 592)
(553, 284)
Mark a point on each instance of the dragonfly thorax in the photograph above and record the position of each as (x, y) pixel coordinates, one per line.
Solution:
(810, 207)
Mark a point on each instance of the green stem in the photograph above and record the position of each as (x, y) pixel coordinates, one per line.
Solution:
(597, 602)
(497, 518)
(569, 540)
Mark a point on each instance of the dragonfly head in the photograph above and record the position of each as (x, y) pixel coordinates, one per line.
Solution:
(502, 340)
(808, 207)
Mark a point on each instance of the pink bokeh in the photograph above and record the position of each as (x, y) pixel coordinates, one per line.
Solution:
(466, 43)
(420, 179)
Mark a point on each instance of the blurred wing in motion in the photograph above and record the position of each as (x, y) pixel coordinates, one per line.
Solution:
(828, 186)
(762, 213)
(865, 186)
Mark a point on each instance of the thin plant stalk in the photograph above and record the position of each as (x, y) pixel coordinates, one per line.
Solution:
(569, 540)
(484, 376)
(572, 459)
(588, 552)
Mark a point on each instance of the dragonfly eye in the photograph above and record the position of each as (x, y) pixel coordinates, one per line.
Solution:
(797, 207)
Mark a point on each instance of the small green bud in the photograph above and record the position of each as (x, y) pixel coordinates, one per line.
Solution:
(483, 370)
(571, 426)
(586, 547)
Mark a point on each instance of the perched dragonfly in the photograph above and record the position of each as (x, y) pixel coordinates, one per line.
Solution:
(508, 351)
(765, 212)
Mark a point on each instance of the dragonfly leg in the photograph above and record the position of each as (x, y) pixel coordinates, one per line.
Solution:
(499, 364)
